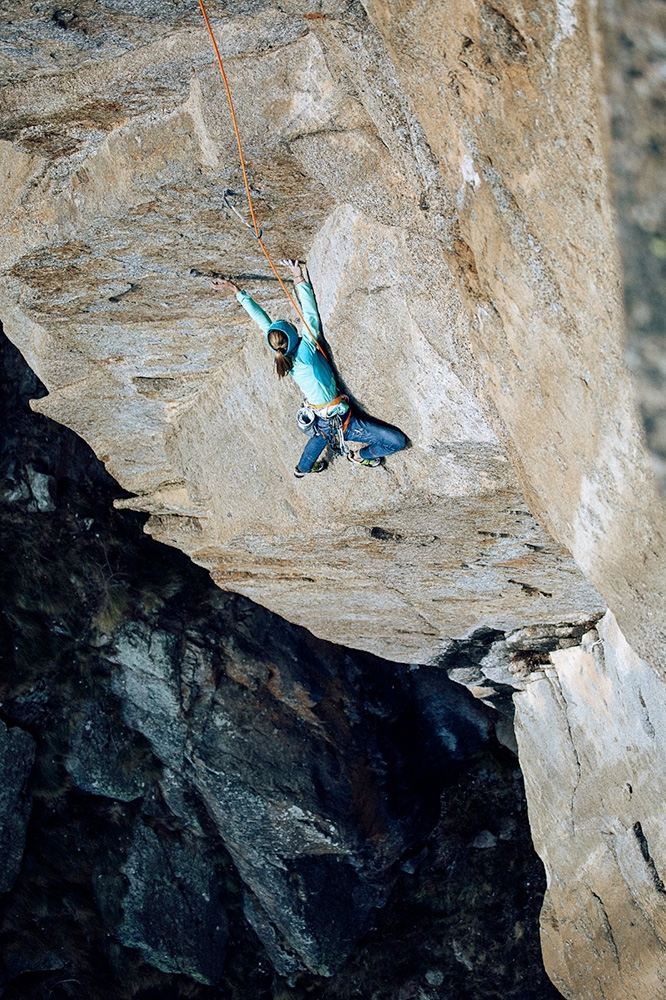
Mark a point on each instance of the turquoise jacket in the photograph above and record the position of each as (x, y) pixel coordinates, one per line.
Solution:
(311, 372)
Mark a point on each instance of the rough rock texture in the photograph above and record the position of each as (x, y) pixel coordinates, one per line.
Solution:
(283, 740)
(174, 911)
(17, 752)
(126, 890)
(634, 36)
(592, 727)
(521, 132)
(443, 168)
(175, 390)
(100, 757)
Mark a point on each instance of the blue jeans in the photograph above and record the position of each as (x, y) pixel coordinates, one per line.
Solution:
(379, 441)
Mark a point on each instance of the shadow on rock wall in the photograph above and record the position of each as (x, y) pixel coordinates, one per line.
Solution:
(221, 805)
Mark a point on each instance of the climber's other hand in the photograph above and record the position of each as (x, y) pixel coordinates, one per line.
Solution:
(224, 285)
(294, 266)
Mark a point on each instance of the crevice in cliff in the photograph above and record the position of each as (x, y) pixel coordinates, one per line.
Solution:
(356, 54)
(606, 925)
(561, 701)
(648, 859)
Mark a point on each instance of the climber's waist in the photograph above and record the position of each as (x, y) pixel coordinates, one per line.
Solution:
(335, 407)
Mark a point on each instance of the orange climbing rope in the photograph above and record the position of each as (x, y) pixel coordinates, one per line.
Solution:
(254, 227)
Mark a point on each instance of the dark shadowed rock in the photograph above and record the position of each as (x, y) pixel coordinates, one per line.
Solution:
(17, 752)
(101, 757)
(285, 723)
(174, 911)
(319, 767)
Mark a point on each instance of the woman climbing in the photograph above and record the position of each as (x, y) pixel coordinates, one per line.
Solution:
(302, 357)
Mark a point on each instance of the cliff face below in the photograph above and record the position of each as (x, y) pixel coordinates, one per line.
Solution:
(201, 800)
(443, 169)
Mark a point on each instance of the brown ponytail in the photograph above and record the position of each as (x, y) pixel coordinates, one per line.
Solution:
(283, 362)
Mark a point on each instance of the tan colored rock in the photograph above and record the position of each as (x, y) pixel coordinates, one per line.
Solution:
(509, 101)
(175, 390)
(591, 733)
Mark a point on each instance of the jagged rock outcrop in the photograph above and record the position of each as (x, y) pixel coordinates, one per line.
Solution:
(444, 170)
(590, 730)
(283, 741)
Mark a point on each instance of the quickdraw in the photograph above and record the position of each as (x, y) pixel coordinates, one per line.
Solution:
(233, 194)
(336, 433)
(306, 418)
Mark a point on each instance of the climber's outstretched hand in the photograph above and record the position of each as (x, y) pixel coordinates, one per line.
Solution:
(296, 269)
(224, 285)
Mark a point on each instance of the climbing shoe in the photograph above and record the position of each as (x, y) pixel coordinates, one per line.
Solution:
(370, 463)
(317, 467)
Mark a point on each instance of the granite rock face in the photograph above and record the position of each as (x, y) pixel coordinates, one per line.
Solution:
(174, 388)
(445, 171)
(323, 769)
(518, 122)
(593, 729)
(588, 717)
(634, 37)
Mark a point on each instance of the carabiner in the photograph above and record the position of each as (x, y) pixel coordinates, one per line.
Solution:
(237, 213)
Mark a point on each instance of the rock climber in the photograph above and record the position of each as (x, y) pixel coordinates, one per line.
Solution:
(300, 356)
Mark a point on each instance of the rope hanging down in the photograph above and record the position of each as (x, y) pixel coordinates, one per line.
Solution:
(257, 233)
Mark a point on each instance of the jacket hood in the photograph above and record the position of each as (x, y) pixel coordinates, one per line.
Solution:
(292, 334)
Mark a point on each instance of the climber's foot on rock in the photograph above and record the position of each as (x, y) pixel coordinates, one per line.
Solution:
(370, 463)
(317, 467)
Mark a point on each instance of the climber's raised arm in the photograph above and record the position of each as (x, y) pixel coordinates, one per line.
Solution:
(296, 269)
(305, 293)
(306, 297)
(253, 309)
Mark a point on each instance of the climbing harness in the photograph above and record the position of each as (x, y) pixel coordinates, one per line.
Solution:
(338, 406)
(336, 433)
(338, 421)
(337, 424)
